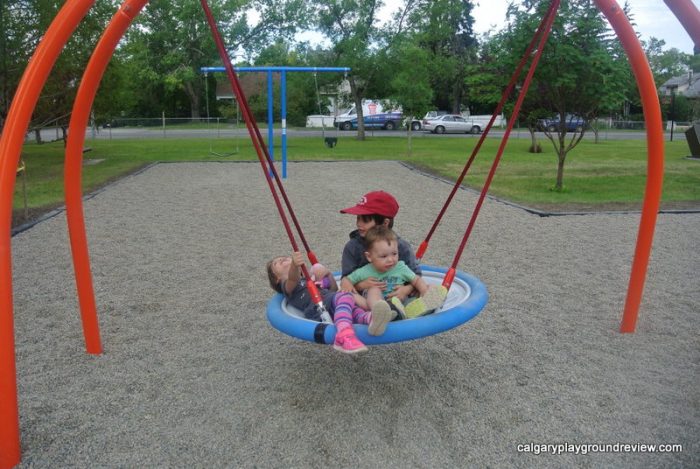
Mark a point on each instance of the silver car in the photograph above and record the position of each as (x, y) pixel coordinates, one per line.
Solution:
(450, 123)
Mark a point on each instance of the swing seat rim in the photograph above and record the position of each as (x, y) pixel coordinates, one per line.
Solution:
(467, 298)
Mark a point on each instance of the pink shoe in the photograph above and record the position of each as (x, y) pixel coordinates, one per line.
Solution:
(347, 342)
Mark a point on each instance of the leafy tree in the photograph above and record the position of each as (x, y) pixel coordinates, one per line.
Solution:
(577, 73)
(411, 83)
(444, 28)
(665, 64)
(23, 23)
(357, 42)
(173, 41)
(17, 40)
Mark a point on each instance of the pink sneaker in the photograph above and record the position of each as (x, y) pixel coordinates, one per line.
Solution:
(347, 342)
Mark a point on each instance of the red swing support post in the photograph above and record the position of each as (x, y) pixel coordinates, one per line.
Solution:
(549, 19)
(265, 160)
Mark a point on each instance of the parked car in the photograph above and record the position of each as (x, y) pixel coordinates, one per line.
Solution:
(573, 124)
(417, 123)
(450, 123)
(383, 120)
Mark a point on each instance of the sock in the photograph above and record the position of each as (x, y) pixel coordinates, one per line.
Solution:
(344, 304)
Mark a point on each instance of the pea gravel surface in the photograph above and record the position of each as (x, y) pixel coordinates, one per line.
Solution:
(193, 375)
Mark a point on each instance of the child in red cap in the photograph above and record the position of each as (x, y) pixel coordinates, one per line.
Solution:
(376, 208)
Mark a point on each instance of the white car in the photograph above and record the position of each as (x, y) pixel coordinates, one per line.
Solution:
(450, 123)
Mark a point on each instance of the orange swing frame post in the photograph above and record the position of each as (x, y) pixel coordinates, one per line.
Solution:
(655, 158)
(16, 127)
(11, 142)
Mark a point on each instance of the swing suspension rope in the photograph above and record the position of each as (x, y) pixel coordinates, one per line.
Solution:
(266, 163)
(540, 38)
(499, 108)
(320, 111)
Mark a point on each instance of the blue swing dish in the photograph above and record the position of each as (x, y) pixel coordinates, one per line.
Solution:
(466, 298)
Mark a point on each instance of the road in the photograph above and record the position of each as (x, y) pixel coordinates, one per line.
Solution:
(174, 132)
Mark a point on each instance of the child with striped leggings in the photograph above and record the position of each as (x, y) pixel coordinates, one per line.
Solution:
(346, 308)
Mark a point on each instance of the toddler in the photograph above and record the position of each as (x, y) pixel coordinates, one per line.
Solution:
(381, 251)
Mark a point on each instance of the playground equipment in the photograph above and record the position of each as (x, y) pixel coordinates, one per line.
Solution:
(23, 105)
(466, 298)
(283, 99)
(218, 128)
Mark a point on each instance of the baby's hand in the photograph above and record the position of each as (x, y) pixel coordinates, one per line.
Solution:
(318, 271)
(401, 292)
(297, 259)
(369, 283)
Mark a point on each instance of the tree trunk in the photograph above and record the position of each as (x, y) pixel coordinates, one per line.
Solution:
(193, 95)
(535, 146)
(560, 170)
(358, 108)
(410, 135)
(37, 135)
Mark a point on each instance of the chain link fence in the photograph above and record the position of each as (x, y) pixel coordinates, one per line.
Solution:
(219, 127)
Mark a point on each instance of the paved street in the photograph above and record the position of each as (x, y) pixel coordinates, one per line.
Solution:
(173, 132)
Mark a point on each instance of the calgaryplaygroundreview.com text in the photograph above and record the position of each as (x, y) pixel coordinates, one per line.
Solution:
(586, 448)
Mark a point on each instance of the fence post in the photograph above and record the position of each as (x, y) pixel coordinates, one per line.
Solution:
(163, 119)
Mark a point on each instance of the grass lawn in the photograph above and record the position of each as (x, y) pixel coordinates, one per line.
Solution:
(605, 175)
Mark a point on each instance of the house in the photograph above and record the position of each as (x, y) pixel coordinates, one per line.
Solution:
(687, 85)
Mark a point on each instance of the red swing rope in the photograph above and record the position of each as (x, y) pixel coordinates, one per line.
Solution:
(504, 97)
(255, 135)
(551, 13)
(264, 158)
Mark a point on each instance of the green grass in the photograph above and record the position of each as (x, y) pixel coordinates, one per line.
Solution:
(610, 172)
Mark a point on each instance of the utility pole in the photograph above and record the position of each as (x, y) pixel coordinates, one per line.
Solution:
(673, 89)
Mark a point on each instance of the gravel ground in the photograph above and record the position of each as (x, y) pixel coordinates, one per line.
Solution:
(194, 376)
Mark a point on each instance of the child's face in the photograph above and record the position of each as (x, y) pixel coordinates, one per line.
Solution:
(383, 255)
(280, 267)
(364, 223)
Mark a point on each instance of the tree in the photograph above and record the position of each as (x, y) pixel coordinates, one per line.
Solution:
(411, 83)
(577, 73)
(357, 42)
(444, 28)
(172, 42)
(17, 40)
(23, 23)
(665, 64)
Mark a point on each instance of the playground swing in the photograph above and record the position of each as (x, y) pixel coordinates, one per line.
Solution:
(330, 142)
(24, 102)
(466, 294)
(218, 128)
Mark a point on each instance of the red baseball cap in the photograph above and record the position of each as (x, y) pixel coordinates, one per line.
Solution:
(375, 203)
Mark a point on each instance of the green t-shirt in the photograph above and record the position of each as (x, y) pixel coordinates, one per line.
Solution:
(398, 275)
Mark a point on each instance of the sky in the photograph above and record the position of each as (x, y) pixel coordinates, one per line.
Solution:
(653, 18)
